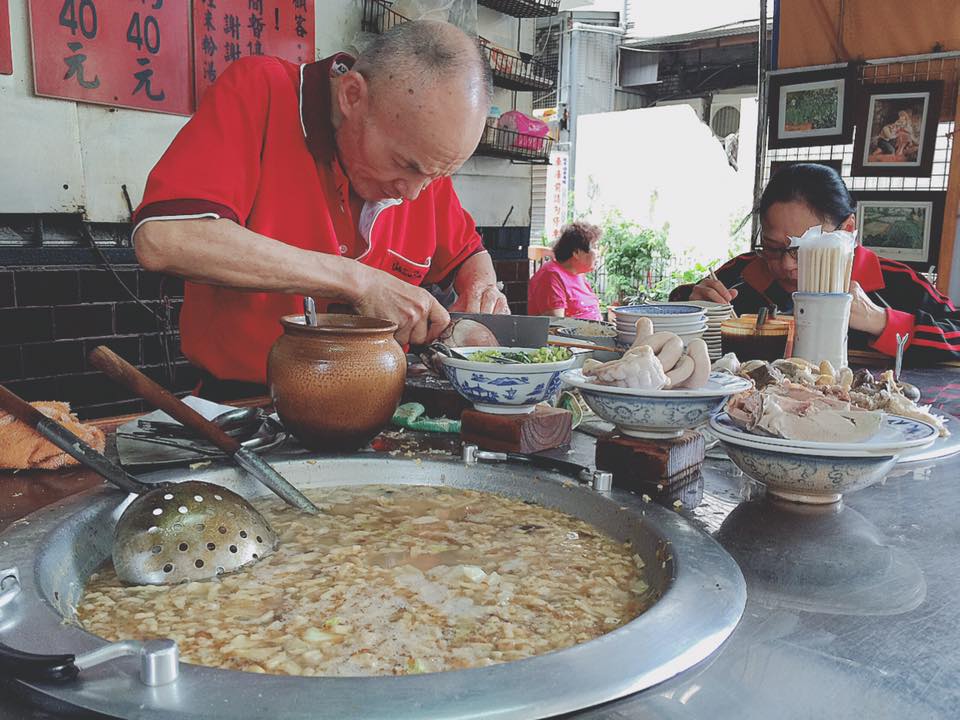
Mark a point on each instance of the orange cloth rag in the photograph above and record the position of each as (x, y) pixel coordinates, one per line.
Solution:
(23, 448)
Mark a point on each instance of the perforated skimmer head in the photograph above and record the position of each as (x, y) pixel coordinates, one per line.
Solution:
(188, 531)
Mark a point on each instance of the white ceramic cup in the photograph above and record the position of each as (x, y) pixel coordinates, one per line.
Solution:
(822, 325)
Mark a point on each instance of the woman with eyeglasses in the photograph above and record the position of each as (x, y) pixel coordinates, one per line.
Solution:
(888, 296)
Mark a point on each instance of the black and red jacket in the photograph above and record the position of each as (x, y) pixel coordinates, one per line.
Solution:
(913, 305)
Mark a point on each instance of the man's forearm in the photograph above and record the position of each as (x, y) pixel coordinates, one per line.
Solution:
(476, 271)
(220, 252)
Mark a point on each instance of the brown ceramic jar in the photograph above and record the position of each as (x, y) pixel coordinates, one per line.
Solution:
(336, 385)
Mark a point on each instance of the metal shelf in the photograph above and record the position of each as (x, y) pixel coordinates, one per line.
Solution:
(511, 145)
(378, 16)
(517, 72)
(523, 8)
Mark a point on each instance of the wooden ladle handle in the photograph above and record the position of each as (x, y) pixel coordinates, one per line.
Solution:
(20, 408)
(116, 368)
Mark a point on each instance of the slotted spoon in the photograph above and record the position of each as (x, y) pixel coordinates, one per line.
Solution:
(171, 533)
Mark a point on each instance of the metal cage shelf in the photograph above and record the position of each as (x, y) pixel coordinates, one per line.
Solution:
(510, 71)
(501, 143)
(379, 17)
(517, 72)
(523, 8)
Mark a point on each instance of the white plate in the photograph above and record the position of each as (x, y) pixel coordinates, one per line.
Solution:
(656, 310)
(693, 322)
(896, 434)
(685, 330)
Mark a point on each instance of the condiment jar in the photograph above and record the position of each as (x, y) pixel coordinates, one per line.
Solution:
(336, 385)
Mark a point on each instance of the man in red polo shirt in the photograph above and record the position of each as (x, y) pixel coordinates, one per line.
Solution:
(329, 179)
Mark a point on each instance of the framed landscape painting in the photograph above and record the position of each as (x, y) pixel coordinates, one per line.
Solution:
(902, 226)
(897, 129)
(813, 107)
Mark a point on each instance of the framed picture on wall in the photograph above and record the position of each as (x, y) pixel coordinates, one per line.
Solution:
(811, 107)
(897, 128)
(902, 226)
(778, 165)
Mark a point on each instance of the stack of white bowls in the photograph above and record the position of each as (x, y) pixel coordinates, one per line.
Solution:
(716, 314)
(685, 319)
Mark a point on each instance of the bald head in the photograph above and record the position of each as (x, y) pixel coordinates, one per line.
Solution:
(425, 53)
(411, 110)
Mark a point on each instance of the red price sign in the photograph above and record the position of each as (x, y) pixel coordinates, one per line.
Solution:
(227, 30)
(6, 52)
(134, 53)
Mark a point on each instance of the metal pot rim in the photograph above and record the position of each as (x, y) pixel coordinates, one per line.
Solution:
(703, 579)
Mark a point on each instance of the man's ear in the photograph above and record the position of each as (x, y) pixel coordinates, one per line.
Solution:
(352, 93)
(850, 224)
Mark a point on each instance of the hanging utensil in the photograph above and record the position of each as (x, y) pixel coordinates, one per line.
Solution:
(123, 372)
(170, 533)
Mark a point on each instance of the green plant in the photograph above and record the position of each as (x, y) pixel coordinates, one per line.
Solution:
(634, 257)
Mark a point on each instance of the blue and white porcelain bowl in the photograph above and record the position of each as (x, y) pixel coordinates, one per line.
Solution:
(657, 413)
(509, 389)
(818, 472)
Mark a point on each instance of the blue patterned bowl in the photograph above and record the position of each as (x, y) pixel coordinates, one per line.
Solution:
(657, 413)
(817, 479)
(512, 389)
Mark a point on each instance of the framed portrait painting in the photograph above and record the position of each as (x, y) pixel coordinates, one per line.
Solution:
(812, 107)
(897, 129)
(902, 226)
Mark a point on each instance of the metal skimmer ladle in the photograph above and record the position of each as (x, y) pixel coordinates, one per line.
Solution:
(170, 533)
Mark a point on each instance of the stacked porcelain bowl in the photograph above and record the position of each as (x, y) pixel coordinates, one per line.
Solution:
(687, 320)
(716, 313)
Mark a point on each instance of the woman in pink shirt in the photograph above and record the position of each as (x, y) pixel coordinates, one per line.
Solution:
(560, 288)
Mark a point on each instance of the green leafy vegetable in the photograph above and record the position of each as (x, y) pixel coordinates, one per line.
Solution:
(541, 355)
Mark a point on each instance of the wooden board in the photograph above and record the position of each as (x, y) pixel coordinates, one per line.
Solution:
(436, 395)
(639, 464)
(543, 429)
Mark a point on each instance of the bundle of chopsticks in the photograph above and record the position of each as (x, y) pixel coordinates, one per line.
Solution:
(824, 261)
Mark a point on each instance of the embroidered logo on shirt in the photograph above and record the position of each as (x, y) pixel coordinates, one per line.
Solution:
(406, 272)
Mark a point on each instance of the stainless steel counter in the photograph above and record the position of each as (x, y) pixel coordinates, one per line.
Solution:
(853, 611)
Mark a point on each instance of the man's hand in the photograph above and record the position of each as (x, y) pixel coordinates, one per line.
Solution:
(482, 299)
(476, 286)
(866, 315)
(419, 317)
(712, 290)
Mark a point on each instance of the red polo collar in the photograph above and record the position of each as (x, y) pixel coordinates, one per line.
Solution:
(315, 104)
(866, 271)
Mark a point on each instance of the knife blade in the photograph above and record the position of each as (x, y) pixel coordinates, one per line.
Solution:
(512, 330)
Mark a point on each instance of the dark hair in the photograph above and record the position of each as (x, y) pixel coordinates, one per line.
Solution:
(573, 237)
(819, 186)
